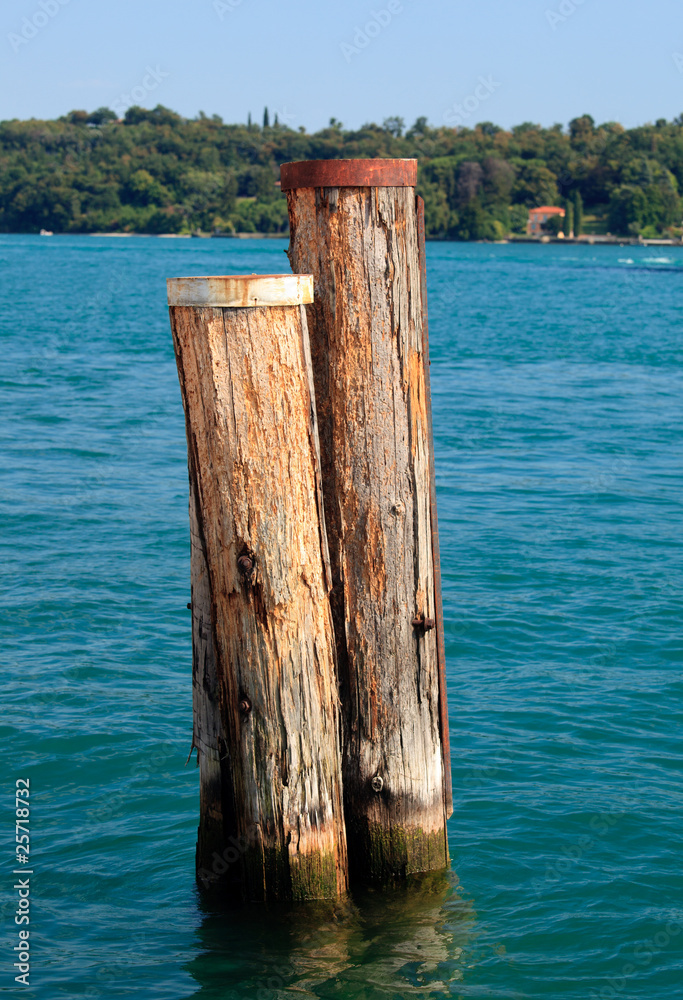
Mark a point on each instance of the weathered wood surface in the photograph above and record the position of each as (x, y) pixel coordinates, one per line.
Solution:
(272, 761)
(207, 729)
(361, 245)
(436, 555)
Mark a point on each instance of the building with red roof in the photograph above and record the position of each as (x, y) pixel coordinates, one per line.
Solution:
(538, 216)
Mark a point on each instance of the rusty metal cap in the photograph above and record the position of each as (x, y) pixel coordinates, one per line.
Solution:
(348, 173)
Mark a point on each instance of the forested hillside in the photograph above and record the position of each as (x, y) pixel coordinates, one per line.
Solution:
(156, 172)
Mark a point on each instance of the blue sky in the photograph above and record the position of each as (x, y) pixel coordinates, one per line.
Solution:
(505, 61)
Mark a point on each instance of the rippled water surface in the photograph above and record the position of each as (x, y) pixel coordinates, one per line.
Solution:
(558, 420)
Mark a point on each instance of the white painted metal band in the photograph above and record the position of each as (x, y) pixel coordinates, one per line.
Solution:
(241, 290)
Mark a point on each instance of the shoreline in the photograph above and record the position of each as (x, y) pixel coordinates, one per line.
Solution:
(598, 240)
(586, 240)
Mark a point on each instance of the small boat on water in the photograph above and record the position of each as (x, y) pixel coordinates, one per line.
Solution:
(46, 232)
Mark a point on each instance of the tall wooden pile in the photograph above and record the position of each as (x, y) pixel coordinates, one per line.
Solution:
(354, 227)
(265, 689)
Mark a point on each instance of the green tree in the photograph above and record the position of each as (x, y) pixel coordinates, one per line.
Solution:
(488, 128)
(519, 216)
(535, 185)
(143, 189)
(135, 115)
(582, 131)
(578, 213)
(568, 227)
(498, 180)
(419, 128)
(474, 223)
(627, 210)
(633, 209)
(101, 116)
(394, 126)
(439, 218)
(553, 225)
(266, 119)
(470, 181)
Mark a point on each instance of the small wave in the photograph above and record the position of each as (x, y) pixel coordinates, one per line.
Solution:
(659, 260)
(626, 260)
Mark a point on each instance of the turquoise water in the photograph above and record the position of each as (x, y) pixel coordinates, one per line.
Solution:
(558, 418)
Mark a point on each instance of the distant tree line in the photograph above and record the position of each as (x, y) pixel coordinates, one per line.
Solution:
(156, 172)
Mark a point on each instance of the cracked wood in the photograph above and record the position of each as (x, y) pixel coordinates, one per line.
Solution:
(265, 686)
(361, 245)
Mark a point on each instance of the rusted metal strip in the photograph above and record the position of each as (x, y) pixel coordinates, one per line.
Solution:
(241, 290)
(348, 173)
(436, 559)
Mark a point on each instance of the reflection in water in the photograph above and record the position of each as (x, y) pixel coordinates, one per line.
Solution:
(404, 941)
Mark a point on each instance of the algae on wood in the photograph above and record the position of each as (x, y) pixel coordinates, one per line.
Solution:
(361, 245)
(272, 816)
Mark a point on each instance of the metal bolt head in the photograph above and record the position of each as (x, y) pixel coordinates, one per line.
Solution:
(245, 564)
(422, 623)
(245, 706)
(377, 783)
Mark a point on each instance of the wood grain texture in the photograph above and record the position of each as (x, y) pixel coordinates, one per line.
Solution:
(366, 340)
(436, 555)
(273, 756)
(207, 730)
